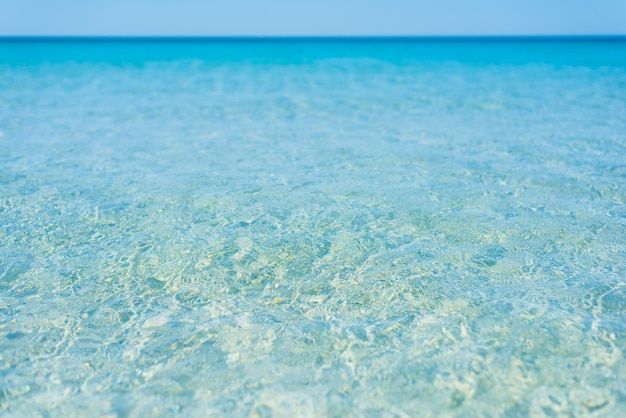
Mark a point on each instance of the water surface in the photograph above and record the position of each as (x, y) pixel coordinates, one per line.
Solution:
(313, 228)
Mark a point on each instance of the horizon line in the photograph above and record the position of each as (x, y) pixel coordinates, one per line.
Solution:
(96, 38)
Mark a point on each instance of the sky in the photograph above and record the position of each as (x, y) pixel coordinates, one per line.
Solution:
(311, 18)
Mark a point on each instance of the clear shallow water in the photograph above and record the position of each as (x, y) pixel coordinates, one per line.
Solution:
(313, 228)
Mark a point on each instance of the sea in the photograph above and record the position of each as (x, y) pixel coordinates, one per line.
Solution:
(312, 227)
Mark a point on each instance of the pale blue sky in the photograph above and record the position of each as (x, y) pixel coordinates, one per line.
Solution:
(313, 17)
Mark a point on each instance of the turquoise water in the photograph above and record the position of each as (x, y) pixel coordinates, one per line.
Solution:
(313, 228)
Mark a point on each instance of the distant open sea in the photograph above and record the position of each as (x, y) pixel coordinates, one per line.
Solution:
(313, 227)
